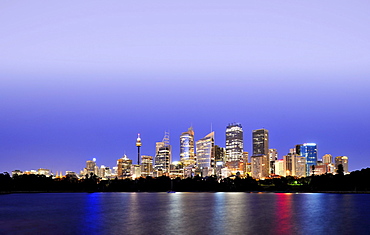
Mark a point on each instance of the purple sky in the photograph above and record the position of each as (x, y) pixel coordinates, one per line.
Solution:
(80, 79)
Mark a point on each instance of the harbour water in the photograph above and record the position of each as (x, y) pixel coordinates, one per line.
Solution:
(184, 213)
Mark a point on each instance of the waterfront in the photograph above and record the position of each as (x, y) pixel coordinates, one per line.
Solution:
(185, 213)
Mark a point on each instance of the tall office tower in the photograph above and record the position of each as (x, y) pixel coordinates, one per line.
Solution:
(289, 161)
(260, 142)
(260, 159)
(273, 156)
(158, 145)
(219, 154)
(91, 168)
(260, 166)
(309, 151)
(206, 152)
(234, 142)
(105, 172)
(124, 167)
(245, 162)
(138, 145)
(280, 168)
(146, 165)
(163, 157)
(300, 166)
(342, 160)
(187, 156)
(327, 159)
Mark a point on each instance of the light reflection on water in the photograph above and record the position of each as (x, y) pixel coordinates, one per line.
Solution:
(187, 213)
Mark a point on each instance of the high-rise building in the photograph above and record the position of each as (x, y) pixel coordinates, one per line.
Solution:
(163, 157)
(187, 155)
(105, 172)
(260, 160)
(309, 151)
(206, 151)
(234, 142)
(260, 142)
(146, 165)
(124, 167)
(260, 166)
(280, 168)
(342, 160)
(300, 166)
(91, 168)
(273, 156)
(327, 159)
(245, 162)
(158, 145)
(220, 154)
(289, 161)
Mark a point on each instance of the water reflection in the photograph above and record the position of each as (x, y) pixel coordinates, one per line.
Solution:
(189, 213)
(284, 219)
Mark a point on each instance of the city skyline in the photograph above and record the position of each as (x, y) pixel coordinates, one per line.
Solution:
(163, 157)
(81, 82)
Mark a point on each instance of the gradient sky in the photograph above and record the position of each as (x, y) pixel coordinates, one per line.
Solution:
(79, 80)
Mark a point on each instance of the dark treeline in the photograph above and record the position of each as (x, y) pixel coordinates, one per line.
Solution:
(356, 181)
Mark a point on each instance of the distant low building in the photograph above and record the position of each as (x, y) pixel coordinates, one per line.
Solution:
(342, 160)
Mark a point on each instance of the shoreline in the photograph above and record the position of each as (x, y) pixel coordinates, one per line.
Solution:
(287, 192)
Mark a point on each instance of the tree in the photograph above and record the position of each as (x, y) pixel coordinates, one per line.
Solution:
(340, 170)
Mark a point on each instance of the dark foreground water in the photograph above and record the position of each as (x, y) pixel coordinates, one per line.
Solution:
(184, 213)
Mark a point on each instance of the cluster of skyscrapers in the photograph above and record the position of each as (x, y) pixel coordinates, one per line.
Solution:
(204, 158)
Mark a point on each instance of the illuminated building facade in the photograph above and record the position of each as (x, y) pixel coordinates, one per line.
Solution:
(273, 156)
(162, 160)
(206, 151)
(327, 159)
(220, 154)
(309, 151)
(260, 142)
(146, 165)
(260, 160)
(124, 167)
(234, 142)
(289, 161)
(91, 168)
(280, 167)
(300, 166)
(342, 160)
(163, 157)
(187, 155)
(104, 172)
(260, 166)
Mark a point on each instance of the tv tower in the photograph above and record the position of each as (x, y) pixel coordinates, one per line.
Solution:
(138, 145)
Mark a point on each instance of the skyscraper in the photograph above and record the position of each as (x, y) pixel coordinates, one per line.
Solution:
(205, 151)
(260, 166)
(163, 156)
(146, 165)
(342, 160)
(309, 151)
(187, 155)
(124, 167)
(260, 160)
(260, 142)
(234, 142)
(273, 156)
(91, 167)
(327, 159)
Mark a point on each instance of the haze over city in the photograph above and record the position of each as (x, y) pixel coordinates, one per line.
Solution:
(79, 80)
